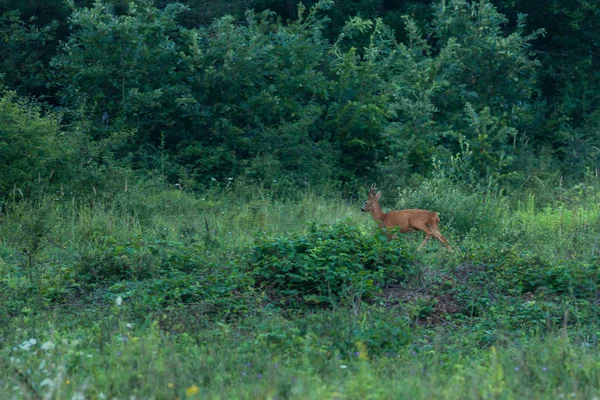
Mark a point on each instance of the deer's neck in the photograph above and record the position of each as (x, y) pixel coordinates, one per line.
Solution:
(377, 214)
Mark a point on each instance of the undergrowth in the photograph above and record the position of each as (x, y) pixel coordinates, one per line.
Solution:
(165, 294)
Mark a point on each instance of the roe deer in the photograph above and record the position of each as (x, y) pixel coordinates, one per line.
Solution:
(406, 220)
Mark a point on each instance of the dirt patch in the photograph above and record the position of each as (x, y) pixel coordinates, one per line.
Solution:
(435, 307)
(463, 272)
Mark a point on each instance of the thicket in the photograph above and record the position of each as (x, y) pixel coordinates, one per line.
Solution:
(307, 101)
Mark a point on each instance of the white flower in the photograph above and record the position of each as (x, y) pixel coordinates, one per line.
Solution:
(47, 382)
(26, 345)
(129, 325)
(119, 301)
(343, 366)
(48, 346)
(78, 396)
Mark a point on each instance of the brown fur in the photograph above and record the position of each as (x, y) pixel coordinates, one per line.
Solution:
(407, 220)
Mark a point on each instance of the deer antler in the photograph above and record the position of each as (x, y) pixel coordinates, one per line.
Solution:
(373, 190)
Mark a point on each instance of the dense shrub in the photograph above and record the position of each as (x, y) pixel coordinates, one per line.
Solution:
(31, 147)
(328, 265)
(377, 331)
(160, 273)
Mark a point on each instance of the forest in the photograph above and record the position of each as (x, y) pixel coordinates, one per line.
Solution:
(181, 187)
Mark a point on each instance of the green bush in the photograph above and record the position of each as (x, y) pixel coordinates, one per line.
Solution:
(31, 148)
(338, 332)
(115, 261)
(327, 265)
(524, 272)
(157, 273)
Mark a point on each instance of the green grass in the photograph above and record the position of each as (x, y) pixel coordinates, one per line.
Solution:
(233, 361)
(511, 314)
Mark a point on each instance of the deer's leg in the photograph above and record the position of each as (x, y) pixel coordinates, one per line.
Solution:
(428, 234)
(424, 242)
(442, 239)
(390, 235)
(432, 231)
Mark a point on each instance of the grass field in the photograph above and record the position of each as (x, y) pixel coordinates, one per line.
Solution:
(160, 294)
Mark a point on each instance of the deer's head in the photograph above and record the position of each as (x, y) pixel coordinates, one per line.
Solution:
(373, 199)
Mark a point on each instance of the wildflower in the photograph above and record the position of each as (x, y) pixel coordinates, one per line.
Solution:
(129, 325)
(259, 376)
(48, 346)
(170, 385)
(26, 345)
(544, 369)
(192, 390)
(119, 354)
(276, 365)
(67, 382)
(580, 365)
(243, 373)
(47, 382)
(119, 301)
(516, 368)
(343, 366)
(362, 354)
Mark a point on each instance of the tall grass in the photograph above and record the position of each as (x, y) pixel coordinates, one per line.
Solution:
(94, 348)
(172, 214)
(233, 362)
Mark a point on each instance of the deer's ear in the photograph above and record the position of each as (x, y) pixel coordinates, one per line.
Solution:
(378, 196)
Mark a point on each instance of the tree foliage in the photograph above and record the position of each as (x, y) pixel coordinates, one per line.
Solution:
(31, 149)
(322, 92)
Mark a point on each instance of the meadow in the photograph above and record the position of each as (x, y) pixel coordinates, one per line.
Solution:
(156, 293)
(181, 184)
